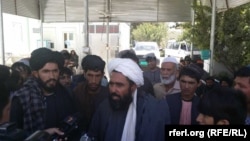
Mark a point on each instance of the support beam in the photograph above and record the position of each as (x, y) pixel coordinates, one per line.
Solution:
(86, 47)
(41, 21)
(108, 11)
(211, 66)
(2, 35)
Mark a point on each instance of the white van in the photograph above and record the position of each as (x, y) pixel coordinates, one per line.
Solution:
(143, 48)
(180, 50)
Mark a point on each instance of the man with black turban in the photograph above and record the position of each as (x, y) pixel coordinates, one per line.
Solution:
(41, 56)
(42, 103)
(90, 93)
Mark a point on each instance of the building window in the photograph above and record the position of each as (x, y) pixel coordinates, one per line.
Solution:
(102, 29)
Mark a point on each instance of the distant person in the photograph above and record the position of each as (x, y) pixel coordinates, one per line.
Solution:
(23, 69)
(187, 60)
(66, 56)
(210, 84)
(153, 71)
(242, 82)
(226, 82)
(41, 103)
(169, 79)
(222, 106)
(74, 58)
(65, 79)
(181, 63)
(129, 114)
(183, 105)
(10, 78)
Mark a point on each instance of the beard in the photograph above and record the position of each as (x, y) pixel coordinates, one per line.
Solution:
(122, 103)
(168, 80)
(46, 87)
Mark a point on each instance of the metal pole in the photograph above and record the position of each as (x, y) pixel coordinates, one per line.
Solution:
(107, 44)
(192, 14)
(212, 37)
(86, 25)
(1, 34)
(107, 28)
(41, 20)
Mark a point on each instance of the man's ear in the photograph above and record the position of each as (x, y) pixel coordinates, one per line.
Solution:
(133, 87)
(223, 122)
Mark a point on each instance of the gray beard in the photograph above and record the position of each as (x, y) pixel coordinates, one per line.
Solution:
(169, 80)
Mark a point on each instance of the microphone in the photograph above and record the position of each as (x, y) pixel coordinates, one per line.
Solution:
(85, 137)
(68, 126)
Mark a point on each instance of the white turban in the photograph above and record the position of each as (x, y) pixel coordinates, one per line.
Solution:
(170, 59)
(128, 68)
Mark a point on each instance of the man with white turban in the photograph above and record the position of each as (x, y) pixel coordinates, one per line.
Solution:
(169, 83)
(129, 114)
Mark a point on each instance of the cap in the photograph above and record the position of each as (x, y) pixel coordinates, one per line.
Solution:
(150, 56)
(170, 59)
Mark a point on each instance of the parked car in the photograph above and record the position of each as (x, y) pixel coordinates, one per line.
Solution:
(181, 50)
(143, 48)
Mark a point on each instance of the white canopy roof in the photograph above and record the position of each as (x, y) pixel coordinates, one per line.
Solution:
(120, 10)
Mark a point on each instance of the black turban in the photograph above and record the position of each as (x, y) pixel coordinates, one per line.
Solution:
(41, 56)
(93, 62)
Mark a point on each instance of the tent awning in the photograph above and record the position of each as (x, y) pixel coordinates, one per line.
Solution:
(120, 10)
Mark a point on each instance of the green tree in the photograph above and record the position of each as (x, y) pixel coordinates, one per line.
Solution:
(156, 32)
(232, 39)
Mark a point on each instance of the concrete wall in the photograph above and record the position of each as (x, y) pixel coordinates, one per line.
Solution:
(54, 32)
(20, 37)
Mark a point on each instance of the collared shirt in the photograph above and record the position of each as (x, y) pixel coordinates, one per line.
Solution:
(160, 90)
(186, 110)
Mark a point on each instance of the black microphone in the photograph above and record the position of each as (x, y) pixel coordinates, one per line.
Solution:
(68, 125)
(85, 137)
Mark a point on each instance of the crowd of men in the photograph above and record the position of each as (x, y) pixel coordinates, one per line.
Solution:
(44, 94)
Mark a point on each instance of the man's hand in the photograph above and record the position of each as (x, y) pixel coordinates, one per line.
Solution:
(53, 131)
